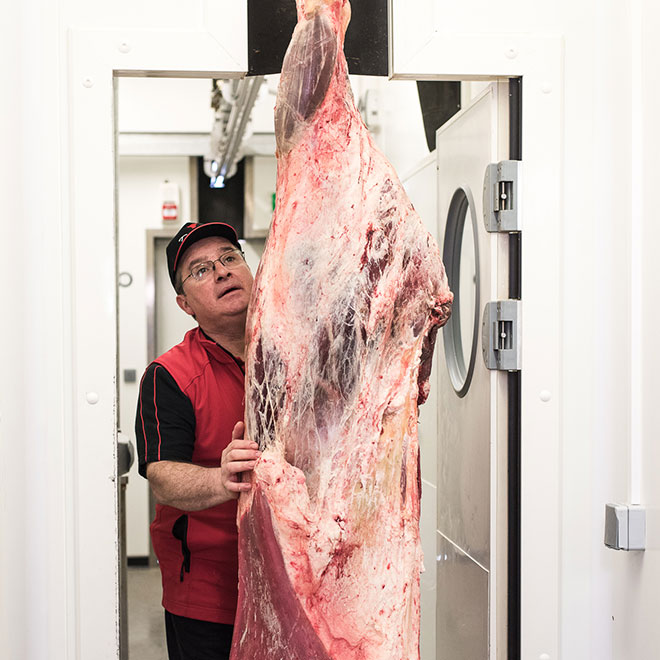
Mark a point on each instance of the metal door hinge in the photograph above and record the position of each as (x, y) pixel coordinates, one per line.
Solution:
(501, 197)
(500, 335)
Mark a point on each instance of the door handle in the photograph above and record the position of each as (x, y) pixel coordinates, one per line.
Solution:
(125, 454)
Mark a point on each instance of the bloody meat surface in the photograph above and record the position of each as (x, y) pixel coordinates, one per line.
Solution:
(346, 304)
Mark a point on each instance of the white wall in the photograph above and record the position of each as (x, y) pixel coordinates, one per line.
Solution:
(636, 601)
(35, 428)
(139, 210)
(14, 422)
(165, 105)
(124, 14)
(398, 130)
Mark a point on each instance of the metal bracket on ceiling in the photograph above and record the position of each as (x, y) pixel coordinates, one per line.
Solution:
(232, 101)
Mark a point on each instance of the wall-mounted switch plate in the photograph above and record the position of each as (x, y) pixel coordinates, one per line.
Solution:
(625, 527)
(636, 527)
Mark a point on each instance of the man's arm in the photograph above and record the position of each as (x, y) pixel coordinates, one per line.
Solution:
(192, 487)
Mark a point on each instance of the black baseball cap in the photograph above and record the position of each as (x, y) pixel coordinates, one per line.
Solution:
(189, 234)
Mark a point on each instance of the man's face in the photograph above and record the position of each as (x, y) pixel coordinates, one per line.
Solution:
(223, 295)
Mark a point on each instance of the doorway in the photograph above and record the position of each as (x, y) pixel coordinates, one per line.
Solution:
(146, 284)
(150, 322)
(93, 482)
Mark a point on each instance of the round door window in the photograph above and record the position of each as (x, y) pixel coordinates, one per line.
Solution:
(461, 258)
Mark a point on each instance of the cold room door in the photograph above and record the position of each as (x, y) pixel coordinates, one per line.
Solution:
(472, 554)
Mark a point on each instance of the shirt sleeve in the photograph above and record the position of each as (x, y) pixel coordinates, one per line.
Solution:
(164, 421)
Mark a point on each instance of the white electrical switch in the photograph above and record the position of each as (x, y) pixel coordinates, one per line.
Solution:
(636, 527)
(625, 527)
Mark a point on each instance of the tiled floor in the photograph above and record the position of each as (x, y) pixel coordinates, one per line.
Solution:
(146, 626)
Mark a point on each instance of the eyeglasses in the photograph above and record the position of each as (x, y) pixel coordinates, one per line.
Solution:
(230, 260)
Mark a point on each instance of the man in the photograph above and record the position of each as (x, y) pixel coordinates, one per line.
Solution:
(190, 442)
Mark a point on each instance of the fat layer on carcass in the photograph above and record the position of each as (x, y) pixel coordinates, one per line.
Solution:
(346, 304)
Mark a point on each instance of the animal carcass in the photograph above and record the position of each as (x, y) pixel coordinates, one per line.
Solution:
(346, 304)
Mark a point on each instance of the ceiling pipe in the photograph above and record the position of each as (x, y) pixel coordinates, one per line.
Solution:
(233, 111)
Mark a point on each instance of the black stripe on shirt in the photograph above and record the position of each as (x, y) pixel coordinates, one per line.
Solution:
(164, 421)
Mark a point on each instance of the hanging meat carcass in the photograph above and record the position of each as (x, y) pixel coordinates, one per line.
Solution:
(346, 304)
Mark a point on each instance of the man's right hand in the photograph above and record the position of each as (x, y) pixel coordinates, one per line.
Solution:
(239, 457)
(192, 487)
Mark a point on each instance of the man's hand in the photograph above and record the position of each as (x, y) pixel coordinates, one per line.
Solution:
(192, 487)
(239, 456)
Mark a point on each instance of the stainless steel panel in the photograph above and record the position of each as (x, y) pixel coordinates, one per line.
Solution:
(462, 605)
(464, 470)
(428, 579)
(464, 424)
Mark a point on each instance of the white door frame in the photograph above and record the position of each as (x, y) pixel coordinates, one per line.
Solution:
(418, 52)
(95, 59)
